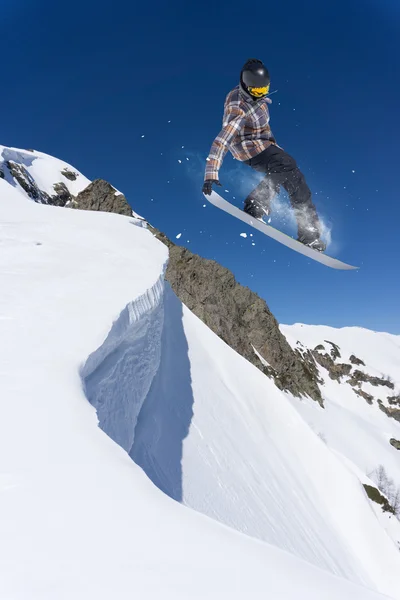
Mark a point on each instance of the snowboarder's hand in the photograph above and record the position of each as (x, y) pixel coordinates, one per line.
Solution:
(207, 187)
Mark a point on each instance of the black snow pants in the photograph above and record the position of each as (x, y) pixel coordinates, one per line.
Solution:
(281, 169)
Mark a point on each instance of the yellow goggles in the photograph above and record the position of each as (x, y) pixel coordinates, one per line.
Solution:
(259, 92)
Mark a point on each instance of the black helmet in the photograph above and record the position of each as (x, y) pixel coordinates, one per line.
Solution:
(254, 74)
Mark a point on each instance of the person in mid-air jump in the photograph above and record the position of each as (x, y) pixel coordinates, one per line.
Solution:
(247, 135)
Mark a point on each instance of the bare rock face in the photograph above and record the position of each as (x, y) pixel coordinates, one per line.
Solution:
(336, 370)
(394, 400)
(22, 176)
(365, 395)
(239, 317)
(101, 195)
(356, 361)
(390, 411)
(62, 195)
(395, 443)
(70, 175)
(359, 376)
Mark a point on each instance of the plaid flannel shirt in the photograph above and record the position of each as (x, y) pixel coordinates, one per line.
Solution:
(245, 131)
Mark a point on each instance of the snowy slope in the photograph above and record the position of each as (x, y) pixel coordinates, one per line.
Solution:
(78, 519)
(85, 315)
(249, 460)
(44, 169)
(358, 432)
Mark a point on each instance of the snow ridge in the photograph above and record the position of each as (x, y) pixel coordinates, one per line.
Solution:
(118, 375)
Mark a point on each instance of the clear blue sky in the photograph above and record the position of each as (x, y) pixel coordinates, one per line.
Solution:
(85, 81)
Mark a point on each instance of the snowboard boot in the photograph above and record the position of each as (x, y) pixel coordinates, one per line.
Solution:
(311, 237)
(256, 209)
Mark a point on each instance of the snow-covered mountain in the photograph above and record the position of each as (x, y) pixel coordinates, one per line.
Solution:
(91, 334)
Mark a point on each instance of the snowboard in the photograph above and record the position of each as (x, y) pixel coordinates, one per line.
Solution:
(277, 235)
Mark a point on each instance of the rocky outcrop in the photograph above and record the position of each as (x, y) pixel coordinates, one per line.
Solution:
(22, 176)
(395, 443)
(394, 400)
(375, 495)
(364, 395)
(390, 411)
(356, 361)
(336, 370)
(70, 175)
(239, 317)
(62, 195)
(101, 195)
(335, 352)
(359, 377)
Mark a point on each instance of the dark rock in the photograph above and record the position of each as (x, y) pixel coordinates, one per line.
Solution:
(62, 195)
(71, 175)
(395, 443)
(358, 377)
(336, 370)
(374, 494)
(100, 195)
(239, 317)
(389, 411)
(335, 352)
(356, 361)
(394, 400)
(21, 175)
(364, 395)
(1, 174)
(319, 348)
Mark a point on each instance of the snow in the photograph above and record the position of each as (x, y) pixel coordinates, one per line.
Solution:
(359, 433)
(91, 335)
(222, 439)
(45, 170)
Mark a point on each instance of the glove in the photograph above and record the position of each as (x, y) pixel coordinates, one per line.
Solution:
(207, 187)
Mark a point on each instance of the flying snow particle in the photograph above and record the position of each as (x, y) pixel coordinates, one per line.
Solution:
(204, 205)
(251, 235)
(187, 158)
(353, 171)
(183, 146)
(227, 191)
(269, 220)
(253, 243)
(142, 136)
(178, 236)
(179, 161)
(244, 235)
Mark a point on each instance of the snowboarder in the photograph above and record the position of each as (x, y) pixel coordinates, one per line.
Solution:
(247, 135)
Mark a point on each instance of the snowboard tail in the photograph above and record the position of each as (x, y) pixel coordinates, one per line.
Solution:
(277, 235)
